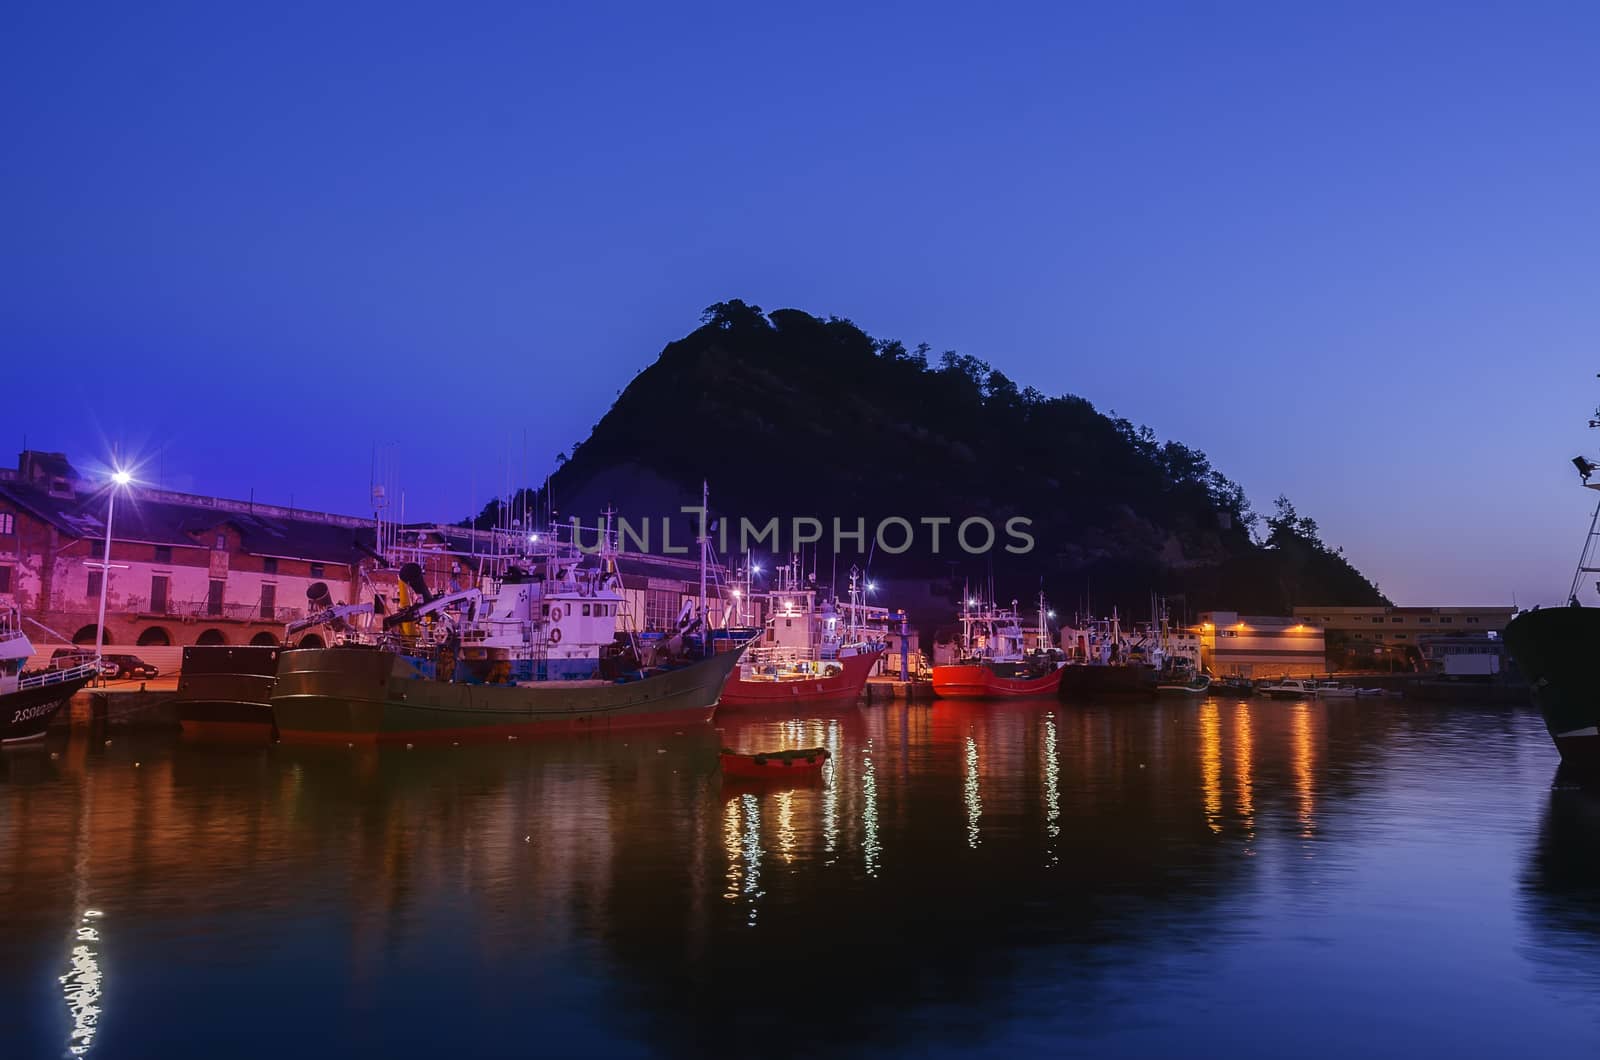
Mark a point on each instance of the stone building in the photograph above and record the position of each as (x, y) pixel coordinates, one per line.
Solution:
(184, 569)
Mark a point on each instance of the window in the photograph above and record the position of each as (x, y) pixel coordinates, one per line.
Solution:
(1399, 636)
(5, 579)
(95, 577)
(97, 549)
(545, 611)
(214, 597)
(269, 566)
(660, 608)
(158, 593)
(1424, 620)
(8, 523)
(163, 554)
(586, 611)
(1472, 621)
(316, 570)
(1397, 620)
(1447, 620)
(222, 542)
(269, 601)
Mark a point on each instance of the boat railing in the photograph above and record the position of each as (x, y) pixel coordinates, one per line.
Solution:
(57, 677)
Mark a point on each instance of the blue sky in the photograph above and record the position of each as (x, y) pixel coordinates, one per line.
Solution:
(1349, 251)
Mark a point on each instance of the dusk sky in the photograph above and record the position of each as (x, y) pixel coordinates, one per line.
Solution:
(1349, 252)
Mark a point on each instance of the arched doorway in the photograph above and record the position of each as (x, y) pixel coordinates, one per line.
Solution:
(211, 636)
(312, 640)
(155, 637)
(264, 640)
(86, 636)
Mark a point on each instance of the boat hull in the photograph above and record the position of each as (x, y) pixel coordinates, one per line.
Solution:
(225, 691)
(841, 689)
(1554, 649)
(26, 713)
(977, 681)
(1094, 682)
(365, 695)
(798, 765)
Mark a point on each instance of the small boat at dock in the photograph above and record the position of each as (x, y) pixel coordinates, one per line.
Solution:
(773, 765)
(29, 701)
(1289, 688)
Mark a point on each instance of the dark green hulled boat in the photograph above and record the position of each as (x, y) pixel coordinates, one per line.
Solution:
(358, 694)
(1556, 649)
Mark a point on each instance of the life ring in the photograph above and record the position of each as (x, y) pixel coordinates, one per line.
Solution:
(555, 636)
(555, 613)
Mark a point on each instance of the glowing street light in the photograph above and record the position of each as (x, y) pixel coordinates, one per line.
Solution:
(119, 480)
(872, 587)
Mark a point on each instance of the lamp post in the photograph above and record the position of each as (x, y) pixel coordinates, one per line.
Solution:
(119, 479)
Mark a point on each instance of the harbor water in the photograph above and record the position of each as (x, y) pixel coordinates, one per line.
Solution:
(1221, 877)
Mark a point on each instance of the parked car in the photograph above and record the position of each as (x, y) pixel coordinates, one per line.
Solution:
(127, 666)
(67, 658)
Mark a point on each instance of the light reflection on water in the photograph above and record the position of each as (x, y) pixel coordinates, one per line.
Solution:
(973, 796)
(963, 877)
(81, 985)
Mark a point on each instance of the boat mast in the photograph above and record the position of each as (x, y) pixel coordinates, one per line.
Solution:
(705, 544)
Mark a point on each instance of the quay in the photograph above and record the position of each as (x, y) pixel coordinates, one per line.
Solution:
(150, 704)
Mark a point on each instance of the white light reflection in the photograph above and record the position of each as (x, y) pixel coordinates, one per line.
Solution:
(974, 799)
(785, 801)
(869, 815)
(830, 794)
(752, 853)
(81, 985)
(1052, 789)
(730, 844)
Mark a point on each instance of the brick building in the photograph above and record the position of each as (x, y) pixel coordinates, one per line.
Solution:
(184, 569)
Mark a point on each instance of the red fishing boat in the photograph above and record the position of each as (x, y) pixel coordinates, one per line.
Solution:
(810, 652)
(995, 661)
(774, 765)
(836, 681)
(979, 680)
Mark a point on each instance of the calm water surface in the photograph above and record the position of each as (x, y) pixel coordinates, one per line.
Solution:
(1248, 879)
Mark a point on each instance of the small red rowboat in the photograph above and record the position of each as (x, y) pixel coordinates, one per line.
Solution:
(768, 765)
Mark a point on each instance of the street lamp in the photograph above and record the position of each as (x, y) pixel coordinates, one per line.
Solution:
(119, 480)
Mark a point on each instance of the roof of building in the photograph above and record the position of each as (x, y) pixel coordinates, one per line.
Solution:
(158, 517)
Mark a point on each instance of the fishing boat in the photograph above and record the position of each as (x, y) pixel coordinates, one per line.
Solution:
(29, 701)
(1336, 690)
(773, 765)
(810, 653)
(531, 648)
(1108, 658)
(1555, 648)
(225, 690)
(994, 660)
(1234, 685)
(1182, 680)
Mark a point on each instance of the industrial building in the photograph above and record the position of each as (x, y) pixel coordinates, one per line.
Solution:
(1259, 646)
